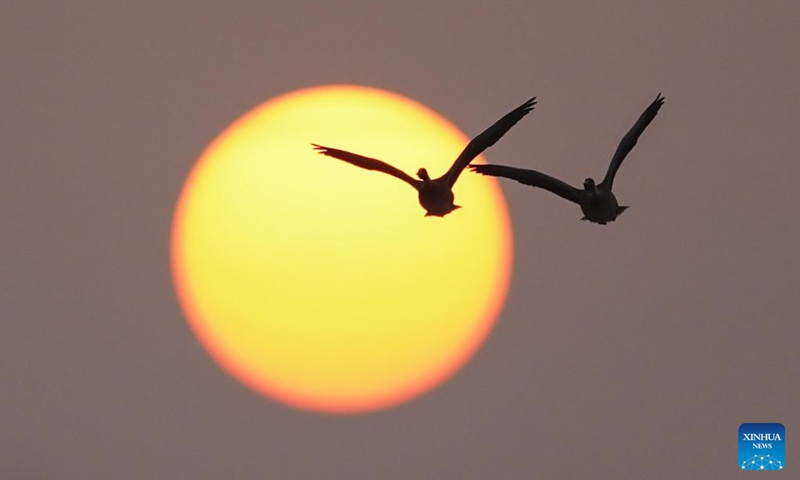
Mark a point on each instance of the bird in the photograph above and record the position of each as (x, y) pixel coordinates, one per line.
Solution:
(597, 202)
(435, 195)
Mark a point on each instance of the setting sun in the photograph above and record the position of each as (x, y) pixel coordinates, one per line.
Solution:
(322, 285)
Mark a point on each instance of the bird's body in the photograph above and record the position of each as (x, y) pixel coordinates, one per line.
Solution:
(435, 195)
(597, 201)
(599, 205)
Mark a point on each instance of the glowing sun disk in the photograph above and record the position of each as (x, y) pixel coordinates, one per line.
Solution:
(321, 284)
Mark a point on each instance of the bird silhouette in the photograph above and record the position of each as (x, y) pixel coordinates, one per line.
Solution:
(436, 195)
(598, 203)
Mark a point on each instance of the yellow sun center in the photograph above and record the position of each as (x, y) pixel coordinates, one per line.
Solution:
(321, 284)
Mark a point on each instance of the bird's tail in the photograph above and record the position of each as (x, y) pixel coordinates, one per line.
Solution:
(621, 209)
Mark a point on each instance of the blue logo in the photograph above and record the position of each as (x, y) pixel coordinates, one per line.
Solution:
(762, 446)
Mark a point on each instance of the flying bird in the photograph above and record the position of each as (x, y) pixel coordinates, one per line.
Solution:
(436, 195)
(598, 203)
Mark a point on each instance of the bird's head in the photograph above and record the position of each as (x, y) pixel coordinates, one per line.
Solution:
(423, 175)
(588, 185)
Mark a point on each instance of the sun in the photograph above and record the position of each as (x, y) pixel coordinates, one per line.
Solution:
(322, 285)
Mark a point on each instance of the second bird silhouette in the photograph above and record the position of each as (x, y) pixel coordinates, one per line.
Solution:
(436, 195)
(597, 202)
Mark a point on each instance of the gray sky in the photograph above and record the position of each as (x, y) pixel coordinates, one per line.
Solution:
(638, 347)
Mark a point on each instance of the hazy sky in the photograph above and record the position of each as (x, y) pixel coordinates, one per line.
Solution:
(632, 349)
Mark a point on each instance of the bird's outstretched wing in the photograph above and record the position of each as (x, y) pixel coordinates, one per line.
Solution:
(368, 163)
(629, 140)
(532, 178)
(489, 137)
